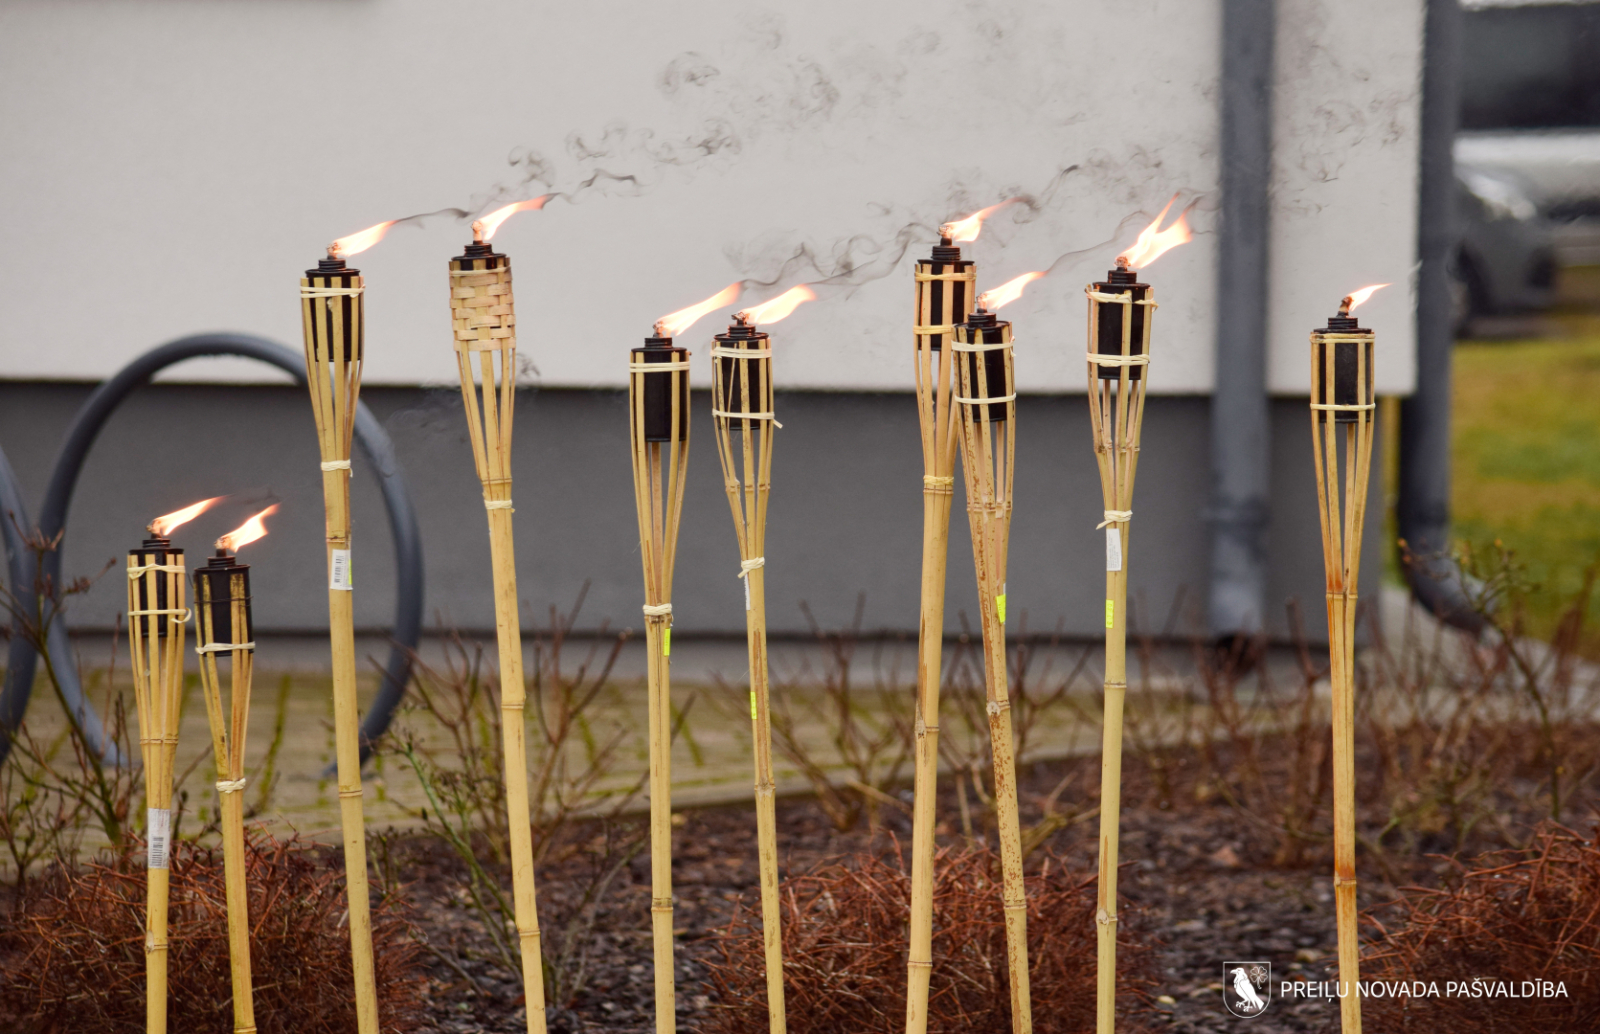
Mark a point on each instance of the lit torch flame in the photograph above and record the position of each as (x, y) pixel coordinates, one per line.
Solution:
(779, 307)
(673, 324)
(1355, 298)
(963, 230)
(356, 243)
(484, 228)
(162, 526)
(248, 532)
(1007, 292)
(1154, 242)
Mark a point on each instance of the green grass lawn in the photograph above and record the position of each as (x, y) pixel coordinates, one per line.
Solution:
(1527, 449)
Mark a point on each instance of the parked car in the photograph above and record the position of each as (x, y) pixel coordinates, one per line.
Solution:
(1505, 261)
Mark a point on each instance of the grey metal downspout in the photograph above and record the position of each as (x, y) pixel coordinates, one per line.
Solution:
(1424, 503)
(1239, 414)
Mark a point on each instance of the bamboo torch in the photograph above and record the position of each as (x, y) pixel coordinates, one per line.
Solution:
(223, 625)
(483, 313)
(334, 325)
(1342, 415)
(741, 398)
(1120, 318)
(943, 296)
(658, 430)
(156, 617)
(986, 395)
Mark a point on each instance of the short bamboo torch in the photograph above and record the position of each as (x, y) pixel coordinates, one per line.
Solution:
(334, 324)
(986, 395)
(943, 297)
(1120, 318)
(156, 617)
(484, 317)
(1342, 409)
(223, 627)
(658, 433)
(742, 408)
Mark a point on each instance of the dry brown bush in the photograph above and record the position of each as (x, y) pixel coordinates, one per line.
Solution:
(1525, 915)
(844, 948)
(76, 947)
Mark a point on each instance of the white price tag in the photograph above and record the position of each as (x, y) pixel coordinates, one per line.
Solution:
(158, 824)
(339, 571)
(746, 581)
(1113, 548)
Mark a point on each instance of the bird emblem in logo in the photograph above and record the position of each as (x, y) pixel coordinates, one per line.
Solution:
(1246, 988)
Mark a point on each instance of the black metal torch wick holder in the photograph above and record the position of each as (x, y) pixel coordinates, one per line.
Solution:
(332, 272)
(657, 397)
(945, 301)
(982, 327)
(158, 550)
(217, 587)
(1121, 280)
(741, 336)
(1352, 346)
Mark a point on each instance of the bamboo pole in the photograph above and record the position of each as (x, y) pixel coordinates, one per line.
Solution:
(1342, 410)
(1120, 311)
(741, 373)
(333, 321)
(944, 285)
(156, 617)
(223, 626)
(484, 317)
(658, 407)
(987, 400)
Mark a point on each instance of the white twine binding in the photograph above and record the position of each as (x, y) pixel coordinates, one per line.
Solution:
(225, 647)
(663, 610)
(498, 504)
(231, 785)
(306, 291)
(137, 572)
(1115, 517)
(750, 565)
(335, 464)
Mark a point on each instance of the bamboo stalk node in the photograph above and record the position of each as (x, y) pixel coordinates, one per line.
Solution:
(1105, 918)
(335, 465)
(994, 707)
(917, 964)
(1344, 881)
(347, 792)
(755, 563)
(231, 785)
(151, 945)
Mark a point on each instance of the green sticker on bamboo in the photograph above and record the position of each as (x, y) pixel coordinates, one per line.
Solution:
(1111, 613)
(666, 641)
(752, 705)
(1000, 607)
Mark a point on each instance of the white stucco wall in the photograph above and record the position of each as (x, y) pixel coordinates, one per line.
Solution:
(170, 167)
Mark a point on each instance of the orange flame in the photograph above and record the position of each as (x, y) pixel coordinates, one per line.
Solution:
(1007, 292)
(1355, 298)
(779, 307)
(356, 243)
(675, 323)
(485, 227)
(1153, 242)
(162, 526)
(248, 532)
(963, 230)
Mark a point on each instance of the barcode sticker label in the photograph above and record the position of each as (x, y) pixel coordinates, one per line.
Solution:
(158, 824)
(339, 571)
(1113, 548)
(746, 581)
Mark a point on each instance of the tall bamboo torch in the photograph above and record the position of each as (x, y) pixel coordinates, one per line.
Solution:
(1120, 318)
(986, 394)
(658, 432)
(944, 283)
(1342, 409)
(741, 401)
(156, 617)
(484, 316)
(222, 625)
(334, 324)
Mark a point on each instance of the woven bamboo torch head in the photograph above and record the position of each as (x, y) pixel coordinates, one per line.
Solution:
(1120, 326)
(741, 374)
(156, 596)
(222, 601)
(944, 286)
(660, 400)
(984, 365)
(1341, 368)
(484, 326)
